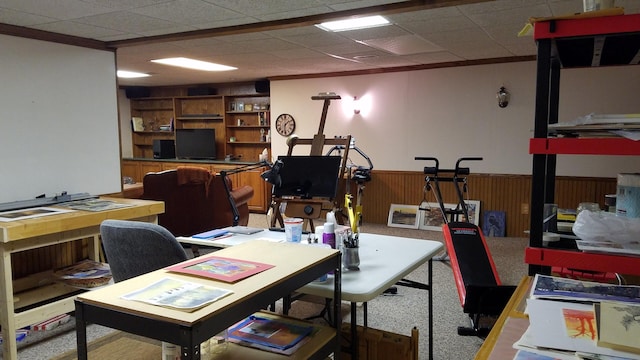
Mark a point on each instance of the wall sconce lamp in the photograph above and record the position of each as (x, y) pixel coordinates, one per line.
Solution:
(356, 105)
(503, 97)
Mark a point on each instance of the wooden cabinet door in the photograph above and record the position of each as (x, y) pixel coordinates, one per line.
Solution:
(131, 169)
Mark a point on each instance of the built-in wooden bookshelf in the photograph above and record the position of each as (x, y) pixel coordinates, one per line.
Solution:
(241, 122)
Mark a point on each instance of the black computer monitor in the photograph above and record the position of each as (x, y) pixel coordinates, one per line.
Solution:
(196, 144)
(308, 176)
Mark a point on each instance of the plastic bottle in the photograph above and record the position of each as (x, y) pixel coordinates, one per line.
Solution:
(331, 217)
(329, 235)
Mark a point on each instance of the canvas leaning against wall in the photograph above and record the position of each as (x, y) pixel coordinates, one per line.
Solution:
(403, 216)
(431, 217)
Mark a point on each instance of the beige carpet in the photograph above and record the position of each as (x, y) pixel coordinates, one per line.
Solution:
(119, 345)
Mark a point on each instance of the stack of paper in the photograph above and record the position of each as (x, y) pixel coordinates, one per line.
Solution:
(563, 320)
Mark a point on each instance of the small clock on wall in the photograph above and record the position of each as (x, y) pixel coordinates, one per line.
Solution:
(285, 124)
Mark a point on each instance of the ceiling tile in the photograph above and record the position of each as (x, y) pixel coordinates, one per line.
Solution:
(482, 30)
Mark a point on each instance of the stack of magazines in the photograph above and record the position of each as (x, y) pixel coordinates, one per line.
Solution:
(85, 274)
(271, 334)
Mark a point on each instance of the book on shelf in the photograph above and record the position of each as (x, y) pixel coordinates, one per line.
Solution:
(178, 294)
(618, 326)
(220, 268)
(277, 335)
(558, 288)
(137, 124)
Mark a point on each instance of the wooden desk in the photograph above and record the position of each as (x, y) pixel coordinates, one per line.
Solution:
(514, 309)
(294, 266)
(34, 233)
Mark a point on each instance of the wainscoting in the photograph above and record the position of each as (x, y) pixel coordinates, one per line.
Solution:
(508, 193)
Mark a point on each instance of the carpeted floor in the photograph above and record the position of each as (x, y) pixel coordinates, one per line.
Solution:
(396, 313)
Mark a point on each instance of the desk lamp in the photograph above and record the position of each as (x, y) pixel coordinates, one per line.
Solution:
(271, 176)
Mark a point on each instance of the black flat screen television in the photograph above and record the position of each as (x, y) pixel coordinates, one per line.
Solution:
(196, 144)
(308, 176)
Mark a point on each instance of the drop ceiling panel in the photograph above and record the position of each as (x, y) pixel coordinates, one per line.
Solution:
(477, 30)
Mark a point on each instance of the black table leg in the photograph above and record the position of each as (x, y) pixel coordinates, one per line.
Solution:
(81, 332)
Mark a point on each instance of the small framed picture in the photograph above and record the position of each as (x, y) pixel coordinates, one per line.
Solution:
(404, 216)
(232, 106)
(240, 106)
(248, 107)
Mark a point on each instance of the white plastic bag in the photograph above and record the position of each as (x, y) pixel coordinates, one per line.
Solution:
(603, 226)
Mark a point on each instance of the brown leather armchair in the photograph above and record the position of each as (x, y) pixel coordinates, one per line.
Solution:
(195, 200)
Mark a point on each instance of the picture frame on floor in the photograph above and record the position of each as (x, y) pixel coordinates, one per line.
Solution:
(403, 216)
(473, 208)
(431, 217)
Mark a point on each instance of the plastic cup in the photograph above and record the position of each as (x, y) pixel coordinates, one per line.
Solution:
(293, 229)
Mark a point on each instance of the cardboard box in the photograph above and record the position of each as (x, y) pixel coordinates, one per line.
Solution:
(379, 344)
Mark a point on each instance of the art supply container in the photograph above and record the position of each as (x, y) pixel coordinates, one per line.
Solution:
(550, 218)
(293, 229)
(351, 258)
(170, 351)
(628, 195)
(329, 235)
(593, 207)
(594, 5)
(610, 203)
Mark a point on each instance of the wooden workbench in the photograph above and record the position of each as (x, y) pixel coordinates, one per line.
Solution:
(22, 235)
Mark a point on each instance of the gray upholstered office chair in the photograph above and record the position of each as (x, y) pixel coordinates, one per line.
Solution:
(134, 248)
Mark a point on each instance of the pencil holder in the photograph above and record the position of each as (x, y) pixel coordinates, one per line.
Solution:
(351, 258)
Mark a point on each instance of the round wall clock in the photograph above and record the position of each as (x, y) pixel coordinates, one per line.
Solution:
(285, 124)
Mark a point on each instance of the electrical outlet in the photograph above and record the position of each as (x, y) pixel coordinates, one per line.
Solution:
(524, 209)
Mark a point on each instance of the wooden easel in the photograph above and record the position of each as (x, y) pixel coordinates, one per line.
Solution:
(309, 209)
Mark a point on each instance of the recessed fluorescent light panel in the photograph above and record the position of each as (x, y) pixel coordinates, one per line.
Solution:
(353, 24)
(194, 64)
(130, 74)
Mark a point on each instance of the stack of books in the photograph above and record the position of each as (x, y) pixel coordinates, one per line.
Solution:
(571, 319)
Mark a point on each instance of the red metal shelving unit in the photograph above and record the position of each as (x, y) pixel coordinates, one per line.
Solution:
(586, 146)
(566, 43)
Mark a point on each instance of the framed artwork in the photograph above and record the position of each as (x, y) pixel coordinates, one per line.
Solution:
(220, 268)
(404, 216)
(493, 223)
(473, 208)
(431, 216)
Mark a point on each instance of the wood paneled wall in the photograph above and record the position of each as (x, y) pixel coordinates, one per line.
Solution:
(48, 258)
(508, 193)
